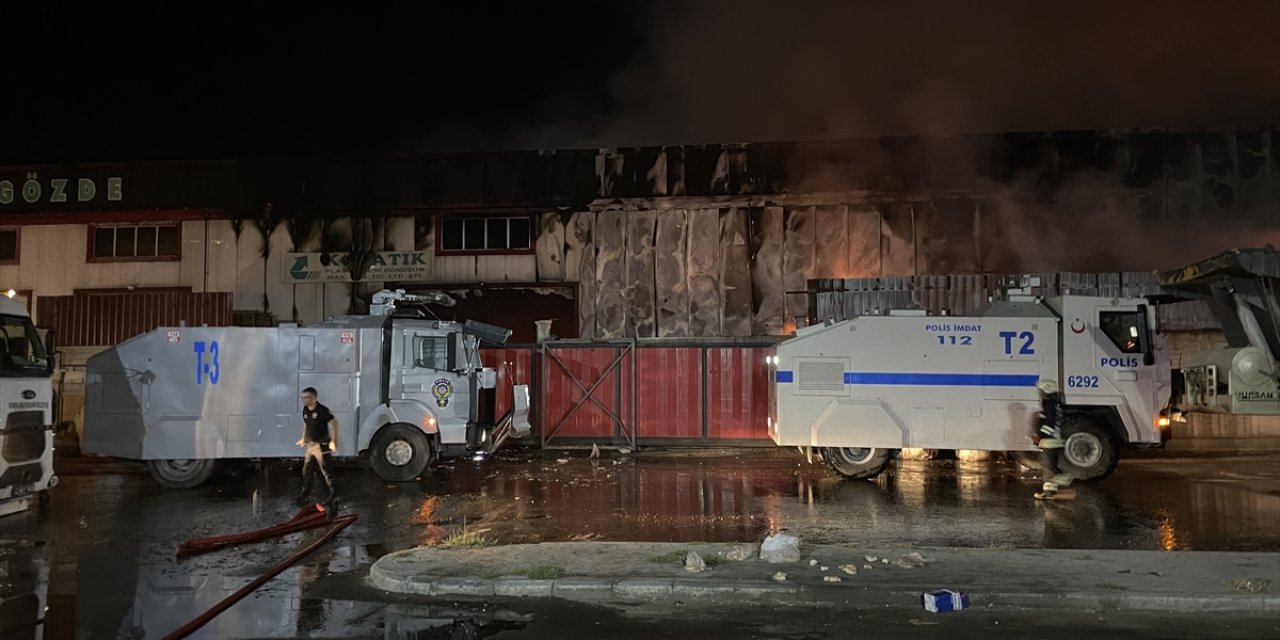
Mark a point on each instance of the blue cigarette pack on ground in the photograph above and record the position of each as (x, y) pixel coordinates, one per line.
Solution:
(946, 600)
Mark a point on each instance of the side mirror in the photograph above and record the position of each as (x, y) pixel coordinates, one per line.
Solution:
(1144, 337)
(50, 348)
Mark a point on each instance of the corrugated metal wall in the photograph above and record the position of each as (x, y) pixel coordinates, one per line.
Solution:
(106, 318)
(688, 393)
(962, 293)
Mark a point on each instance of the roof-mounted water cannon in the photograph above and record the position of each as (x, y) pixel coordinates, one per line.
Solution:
(386, 301)
(1018, 287)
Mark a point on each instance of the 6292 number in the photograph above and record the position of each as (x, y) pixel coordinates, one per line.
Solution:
(1082, 382)
(207, 367)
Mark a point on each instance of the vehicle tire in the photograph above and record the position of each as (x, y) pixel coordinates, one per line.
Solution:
(857, 462)
(1091, 453)
(400, 453)
(182, 474)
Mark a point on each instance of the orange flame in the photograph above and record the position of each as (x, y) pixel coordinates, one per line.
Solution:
(319, 507)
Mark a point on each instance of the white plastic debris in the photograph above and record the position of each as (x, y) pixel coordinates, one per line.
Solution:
(693, 563)
(780, 549)
(871, 558)
(779, 577)
(868, 567)
(595, 451)
(562, 461)
(741, 552)
(849, 569)
(831, 579)
(824, 568)
(813, 563)
(912, 560)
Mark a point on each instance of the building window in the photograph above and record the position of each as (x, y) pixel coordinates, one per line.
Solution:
(8, 246)
(486, 235)
(134, 242)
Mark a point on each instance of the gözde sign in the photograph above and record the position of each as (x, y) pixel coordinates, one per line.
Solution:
(387, 266)
(32, 188)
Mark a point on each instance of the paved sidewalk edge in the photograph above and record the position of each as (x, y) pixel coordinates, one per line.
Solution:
(590, 588)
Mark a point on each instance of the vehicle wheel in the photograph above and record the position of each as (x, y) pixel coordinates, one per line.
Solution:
(857, 462)
(182, 474)
(1090, 452)
(400, 453)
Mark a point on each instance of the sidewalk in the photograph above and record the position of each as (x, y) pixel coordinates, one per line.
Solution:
(1085, 579)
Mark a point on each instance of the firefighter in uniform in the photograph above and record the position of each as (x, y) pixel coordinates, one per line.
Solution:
(319, 437)
(1049, 438)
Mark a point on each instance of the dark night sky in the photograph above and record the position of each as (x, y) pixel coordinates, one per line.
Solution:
(118, 83)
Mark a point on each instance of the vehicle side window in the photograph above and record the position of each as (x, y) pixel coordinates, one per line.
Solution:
(1121, 328)
(431, 352)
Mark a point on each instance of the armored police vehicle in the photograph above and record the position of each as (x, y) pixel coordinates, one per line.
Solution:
(407, 388)
(860, 390)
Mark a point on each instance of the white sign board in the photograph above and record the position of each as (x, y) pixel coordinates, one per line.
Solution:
(387, 266)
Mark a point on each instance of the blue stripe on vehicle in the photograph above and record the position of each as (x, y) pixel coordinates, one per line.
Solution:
(929, 379)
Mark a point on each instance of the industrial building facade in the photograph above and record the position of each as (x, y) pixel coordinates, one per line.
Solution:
(698, 243)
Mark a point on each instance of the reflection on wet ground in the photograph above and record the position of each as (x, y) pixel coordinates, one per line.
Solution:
(105, 549)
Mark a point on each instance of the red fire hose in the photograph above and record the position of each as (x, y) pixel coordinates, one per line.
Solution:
(310, 517)
(339, 523)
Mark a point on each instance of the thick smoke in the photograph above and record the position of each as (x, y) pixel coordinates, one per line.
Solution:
(1093, 223)
(759, 70)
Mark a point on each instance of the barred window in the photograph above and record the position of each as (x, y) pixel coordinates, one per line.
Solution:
(486, 235)
(136, 242)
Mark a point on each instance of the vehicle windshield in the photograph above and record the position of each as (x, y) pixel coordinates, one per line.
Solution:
(21, 351)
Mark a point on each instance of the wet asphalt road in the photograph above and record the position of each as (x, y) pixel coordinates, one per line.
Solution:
(107, 541)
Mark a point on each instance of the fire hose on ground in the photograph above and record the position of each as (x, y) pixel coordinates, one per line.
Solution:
(309, 517)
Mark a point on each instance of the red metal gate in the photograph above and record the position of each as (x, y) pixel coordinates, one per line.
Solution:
(712, 392)
(588, 390)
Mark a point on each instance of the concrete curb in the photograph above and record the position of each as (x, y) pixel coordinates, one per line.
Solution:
(594, 588)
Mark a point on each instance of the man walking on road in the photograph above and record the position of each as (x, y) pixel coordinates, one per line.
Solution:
(1049, 437)
(319, 437)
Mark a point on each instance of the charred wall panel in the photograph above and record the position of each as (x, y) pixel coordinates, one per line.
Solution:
(611, 275)
(671, 273)
(705, 292)
(582, 253)
(798, 259)
(766, 271)
(897, 240)
(640, 292)
(832, 224)
(735, 273)
(550, 247)
(864, 243)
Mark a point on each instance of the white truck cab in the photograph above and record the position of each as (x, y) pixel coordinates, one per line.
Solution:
(26, 409)
(858, 391)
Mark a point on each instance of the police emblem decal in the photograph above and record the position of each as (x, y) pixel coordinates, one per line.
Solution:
(442, 389)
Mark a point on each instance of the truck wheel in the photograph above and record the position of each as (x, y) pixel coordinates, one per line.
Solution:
(857, 462)
(181, 474)
(400, 453)
(1090, 452)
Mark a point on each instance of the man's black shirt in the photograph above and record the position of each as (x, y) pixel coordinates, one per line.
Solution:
(317, 421)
